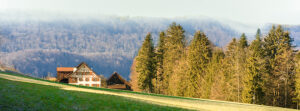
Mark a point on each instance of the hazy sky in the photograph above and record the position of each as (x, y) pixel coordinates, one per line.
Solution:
(245, 11)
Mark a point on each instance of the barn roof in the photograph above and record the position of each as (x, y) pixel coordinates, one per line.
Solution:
(120, 77)
(65, 69)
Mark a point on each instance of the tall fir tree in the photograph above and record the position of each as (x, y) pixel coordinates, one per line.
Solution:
(159, 63)
(230, 71)
(199, 55)
(179, 78)
(217, 70)
(280, 81)
(214, 69)
(253, 91)
(243, 41)
(235, 67)
(241, 56)
(173, 51)
(145, 65)
(297, 79)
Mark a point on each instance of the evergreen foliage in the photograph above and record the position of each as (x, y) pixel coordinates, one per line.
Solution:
(279, 54)
(175, 45)
(145, 66)
(231, 71)
(264, 72)
(199, 55)
(255, 70)
(159, 63)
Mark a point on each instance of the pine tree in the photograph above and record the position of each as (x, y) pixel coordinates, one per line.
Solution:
(159, 63)
(145, 65)
(230, 71)
(199, 55)
(279, 53)
(243, 41)
(255, 67)
(213, 69)
(218, 72)
(297, 79)
(179, 78)
(173, 50)
(241, 64)
(234, 64)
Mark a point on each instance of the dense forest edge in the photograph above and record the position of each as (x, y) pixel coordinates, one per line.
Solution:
(265, 71)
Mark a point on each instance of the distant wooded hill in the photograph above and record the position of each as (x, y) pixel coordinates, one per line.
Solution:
(108, 44)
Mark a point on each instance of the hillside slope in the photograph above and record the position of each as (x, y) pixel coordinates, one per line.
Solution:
(35, 97)
(172, 101)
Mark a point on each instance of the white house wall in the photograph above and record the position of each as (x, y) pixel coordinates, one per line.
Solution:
(90, 82)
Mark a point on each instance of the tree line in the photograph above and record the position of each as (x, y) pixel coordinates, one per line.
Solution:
(265, 71)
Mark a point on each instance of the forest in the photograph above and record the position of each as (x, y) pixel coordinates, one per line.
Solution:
(37, 46)
(264, 71)
(106, 43)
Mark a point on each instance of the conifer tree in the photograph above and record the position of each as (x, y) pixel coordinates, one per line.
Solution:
(255, 71)
(159, 63)
(214, 71)
(230, 71)
(297, 79)
(241, 64)
(279, 53)
(234, 64)
(173, 50)
(199, 55)
(243, 41)
(179, 78)
(145, 65)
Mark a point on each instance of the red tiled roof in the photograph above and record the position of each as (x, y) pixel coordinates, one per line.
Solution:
(67, 69)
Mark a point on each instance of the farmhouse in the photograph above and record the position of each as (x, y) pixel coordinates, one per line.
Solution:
(115, 81)
(80, 75)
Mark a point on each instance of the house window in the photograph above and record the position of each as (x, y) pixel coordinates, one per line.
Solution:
(87, 79)
(87, 84)
(95, 85)
(95, 79)
(80, 79)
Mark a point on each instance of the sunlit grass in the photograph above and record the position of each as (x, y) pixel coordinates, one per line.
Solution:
(27, 96)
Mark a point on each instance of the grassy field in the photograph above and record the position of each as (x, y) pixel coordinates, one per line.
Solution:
(37, 94)
(28, 96)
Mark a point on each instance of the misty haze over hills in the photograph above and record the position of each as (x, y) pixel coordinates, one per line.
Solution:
(37, 46)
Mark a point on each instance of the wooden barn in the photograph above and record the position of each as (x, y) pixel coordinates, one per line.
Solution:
(115, 81)
(80, 75)
(63, 73)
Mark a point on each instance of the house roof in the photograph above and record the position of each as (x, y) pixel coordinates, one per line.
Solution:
(120, 77)
(65, 69)
(81, 64)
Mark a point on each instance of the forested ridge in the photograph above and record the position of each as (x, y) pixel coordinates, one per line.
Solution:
(264, 71)
(107, 44)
